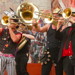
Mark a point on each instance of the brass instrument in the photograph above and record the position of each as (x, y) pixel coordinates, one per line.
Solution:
(5, 20)
(48, 19)
(26, 13)
(22, 43)
(66, 13)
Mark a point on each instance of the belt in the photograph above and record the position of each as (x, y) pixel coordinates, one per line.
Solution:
(70, 57)
(7, 55)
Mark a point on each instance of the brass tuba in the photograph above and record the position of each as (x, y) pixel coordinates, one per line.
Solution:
(27, 12)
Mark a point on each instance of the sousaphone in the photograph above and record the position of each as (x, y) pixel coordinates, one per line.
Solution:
(27, 12)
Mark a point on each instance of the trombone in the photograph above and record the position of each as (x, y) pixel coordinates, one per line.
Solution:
(66, 14)
(25, 12)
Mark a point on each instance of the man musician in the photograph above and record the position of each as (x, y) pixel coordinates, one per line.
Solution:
(9, 39)
(23, 54)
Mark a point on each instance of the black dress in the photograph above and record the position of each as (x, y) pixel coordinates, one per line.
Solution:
(53, 48)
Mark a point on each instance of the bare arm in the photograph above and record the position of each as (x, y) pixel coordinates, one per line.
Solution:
(0, 30)
(37, 28)
(60, 25)
(14, 37)
(0, 33)
(29, 36)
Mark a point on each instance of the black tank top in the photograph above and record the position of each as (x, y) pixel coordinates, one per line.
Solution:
(6, 44)
(52, 42)
(26, 47)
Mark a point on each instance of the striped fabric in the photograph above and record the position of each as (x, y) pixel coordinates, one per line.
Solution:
(7, 63)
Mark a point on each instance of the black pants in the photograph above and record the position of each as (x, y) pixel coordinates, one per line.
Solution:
(59, 67)
(21, 64)
(69, 65)
(46, 68)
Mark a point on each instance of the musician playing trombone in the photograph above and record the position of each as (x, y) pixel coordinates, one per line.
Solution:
(66, 34)
(22, 55)
(52, 49)
(9, 39)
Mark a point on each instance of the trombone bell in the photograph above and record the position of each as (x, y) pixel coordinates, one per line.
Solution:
(67, 13)
(48, 19)
(4, 20)
(27, 15)
(26, 12)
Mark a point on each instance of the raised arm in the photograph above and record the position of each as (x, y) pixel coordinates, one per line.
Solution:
(15, 37)
(37, 27)
(1, 30)
(29, 36)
